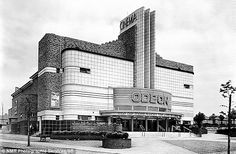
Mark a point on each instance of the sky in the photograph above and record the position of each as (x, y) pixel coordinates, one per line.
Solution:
(201, 33)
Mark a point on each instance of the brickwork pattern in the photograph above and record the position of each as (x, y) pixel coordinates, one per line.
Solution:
(173, 65)
(51, 46)
(48, 82)
(19, 102)
(129, 39)
(49, 55)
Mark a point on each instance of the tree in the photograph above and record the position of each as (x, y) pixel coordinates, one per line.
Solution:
(221, 117)
(198, 119)
(227, 90)
(28, 114)
(213, 118)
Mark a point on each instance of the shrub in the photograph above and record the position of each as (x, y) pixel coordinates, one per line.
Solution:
(117, 135)
(88, 135)
(225, 132)
(83, 133)
(125, 135)
(195, 129)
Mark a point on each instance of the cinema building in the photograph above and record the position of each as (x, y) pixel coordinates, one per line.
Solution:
(122, 81)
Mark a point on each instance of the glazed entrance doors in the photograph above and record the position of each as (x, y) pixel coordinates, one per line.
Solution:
(152, 125)
(136, 124)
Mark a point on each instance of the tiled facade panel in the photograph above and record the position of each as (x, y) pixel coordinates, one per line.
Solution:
(84, 75)
(87, 93)
(183, 105)
(186, 111)
(152, 49)
(104, 71)
(85, 100)
(174, 81)
(147, 49)
(140, 48)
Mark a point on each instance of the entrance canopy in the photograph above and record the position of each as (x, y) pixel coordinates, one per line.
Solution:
(140, 113)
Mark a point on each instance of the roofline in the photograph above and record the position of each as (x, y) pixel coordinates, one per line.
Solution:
(34, 76)
(86, 51)
(29, 83)
(180, 70)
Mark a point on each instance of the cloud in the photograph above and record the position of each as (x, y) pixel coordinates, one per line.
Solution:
(199, 33)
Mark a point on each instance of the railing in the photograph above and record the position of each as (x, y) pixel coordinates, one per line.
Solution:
(176, 128)
(162, 129)
(143, 130)
(190, 131)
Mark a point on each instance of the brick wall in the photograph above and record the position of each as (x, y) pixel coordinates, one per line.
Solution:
(48, 82)
(31, 94)
(50, 48)
(160, 62)
(20, 103)
(49, 54)
(129, 39)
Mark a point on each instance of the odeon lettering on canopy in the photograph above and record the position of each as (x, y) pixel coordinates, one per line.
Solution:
(128, 98)
(138, 97)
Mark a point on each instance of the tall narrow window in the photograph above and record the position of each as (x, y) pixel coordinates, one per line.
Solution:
(84, 70)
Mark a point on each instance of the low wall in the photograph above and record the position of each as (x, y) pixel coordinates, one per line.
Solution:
(160, 134)
(116, 143)
(96, 127)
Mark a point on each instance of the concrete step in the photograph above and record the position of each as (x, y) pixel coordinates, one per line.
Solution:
(160, 134)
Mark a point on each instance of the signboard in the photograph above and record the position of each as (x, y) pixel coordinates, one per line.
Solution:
(55, 96)
(140, 97)
(128, 21)
(144, 97)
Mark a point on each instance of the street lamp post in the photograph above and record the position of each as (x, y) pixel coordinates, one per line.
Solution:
(227, 90)
(28, 112)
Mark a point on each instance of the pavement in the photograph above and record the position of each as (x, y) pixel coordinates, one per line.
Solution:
(140, 145)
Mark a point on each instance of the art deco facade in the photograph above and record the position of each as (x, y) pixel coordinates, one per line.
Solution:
(120, 81)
